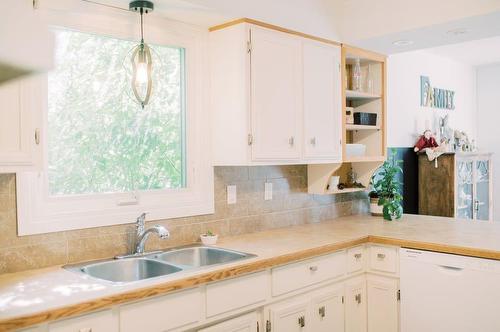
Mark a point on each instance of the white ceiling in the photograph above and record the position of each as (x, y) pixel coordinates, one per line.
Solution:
(374, 25)
(475, 53)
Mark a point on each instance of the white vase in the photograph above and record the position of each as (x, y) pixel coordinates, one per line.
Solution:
(209, 240)
(375, 209)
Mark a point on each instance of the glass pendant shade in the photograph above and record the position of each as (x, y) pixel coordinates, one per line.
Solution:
(141, 60)
(142, 65)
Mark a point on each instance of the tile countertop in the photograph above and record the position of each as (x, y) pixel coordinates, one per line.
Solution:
(32, 297)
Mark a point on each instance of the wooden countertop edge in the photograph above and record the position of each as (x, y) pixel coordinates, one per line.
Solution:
(13, 323)
(10, 324)
(432, 246)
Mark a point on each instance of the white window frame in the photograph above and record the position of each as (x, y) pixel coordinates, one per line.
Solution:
(38, 212)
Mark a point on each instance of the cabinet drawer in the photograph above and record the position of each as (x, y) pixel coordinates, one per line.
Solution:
(356, 259)
(162, 313)
(104, 321)
(384, 259)
(294, 276)
(237, 293)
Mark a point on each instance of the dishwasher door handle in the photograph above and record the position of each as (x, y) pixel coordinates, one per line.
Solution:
(451, 268)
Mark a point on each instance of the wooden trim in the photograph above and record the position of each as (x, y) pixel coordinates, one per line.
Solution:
(272, 27)
(359, 52)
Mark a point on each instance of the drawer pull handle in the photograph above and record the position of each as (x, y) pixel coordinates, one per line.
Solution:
(357, 256)
(380, 256)
(358, 298)
(322, 312)
(313, 268)
(302, 321)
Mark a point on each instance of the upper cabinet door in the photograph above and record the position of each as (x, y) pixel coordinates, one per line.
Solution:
(276, 95)
(322, 101)
(20, 125)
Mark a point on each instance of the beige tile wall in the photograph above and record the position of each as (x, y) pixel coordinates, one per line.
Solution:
(291, 205)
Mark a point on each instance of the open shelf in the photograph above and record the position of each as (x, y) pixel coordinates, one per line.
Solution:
(344, 191)
(361, 127)
(359, 95)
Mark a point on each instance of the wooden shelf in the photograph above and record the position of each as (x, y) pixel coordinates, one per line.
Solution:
(359, 95)
(361, 127)
(346, 190)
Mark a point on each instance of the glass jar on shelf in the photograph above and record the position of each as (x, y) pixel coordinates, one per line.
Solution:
(356, 75)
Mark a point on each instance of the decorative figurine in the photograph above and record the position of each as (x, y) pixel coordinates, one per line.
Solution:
(426, 141)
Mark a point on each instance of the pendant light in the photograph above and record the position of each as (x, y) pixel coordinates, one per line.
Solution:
(142, 65)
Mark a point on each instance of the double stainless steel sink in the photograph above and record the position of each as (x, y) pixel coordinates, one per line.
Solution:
(158, 264)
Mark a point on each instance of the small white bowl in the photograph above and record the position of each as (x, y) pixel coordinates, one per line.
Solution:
(209, 240)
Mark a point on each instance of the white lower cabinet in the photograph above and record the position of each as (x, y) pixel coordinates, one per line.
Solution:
(289, 316)
(104, 321)
(327, 311)
(383, 304)
(246, 323)
(356, 305)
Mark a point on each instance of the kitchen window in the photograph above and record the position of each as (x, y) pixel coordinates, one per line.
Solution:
(106, 159)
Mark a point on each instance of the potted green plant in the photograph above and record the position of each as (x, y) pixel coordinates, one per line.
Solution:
(209, 238)
(385, 197)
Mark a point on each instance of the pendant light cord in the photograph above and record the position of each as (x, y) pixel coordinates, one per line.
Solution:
(142, 26)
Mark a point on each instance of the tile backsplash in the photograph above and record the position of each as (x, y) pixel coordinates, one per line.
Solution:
(291, 205)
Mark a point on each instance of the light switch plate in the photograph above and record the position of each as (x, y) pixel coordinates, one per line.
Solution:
(231, 194)
(268, 191)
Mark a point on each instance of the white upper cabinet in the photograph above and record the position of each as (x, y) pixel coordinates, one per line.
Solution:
(20, 125)
(275, 97)
(322, 101)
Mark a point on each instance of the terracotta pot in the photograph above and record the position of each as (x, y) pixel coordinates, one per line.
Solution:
(375, 209)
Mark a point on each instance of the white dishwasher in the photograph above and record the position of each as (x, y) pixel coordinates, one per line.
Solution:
(448, 293)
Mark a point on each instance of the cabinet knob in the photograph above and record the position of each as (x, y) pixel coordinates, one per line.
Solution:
(322, 311)
(380, 256)
(302, 321)
(357, 256)
(291, 141)
(313, 268)
(313, 141)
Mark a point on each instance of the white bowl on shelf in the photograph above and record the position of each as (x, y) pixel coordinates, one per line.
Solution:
(355, 150)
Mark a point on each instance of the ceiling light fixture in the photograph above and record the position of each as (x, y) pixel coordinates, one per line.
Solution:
(142, 65)
(458, 32)
(402, 42)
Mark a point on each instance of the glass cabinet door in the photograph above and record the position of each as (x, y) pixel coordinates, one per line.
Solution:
(482, 197)
(465, 186)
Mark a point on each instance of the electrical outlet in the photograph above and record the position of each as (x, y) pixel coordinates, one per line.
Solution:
(231, 194)
(268, 191)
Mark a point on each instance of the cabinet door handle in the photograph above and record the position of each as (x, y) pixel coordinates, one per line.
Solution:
(291, 141)
(322, 312)
(476, 205)
(380, 256)
(37, 136)
(313, 141)
(313, 268)
(358, 298)
(357, 256)
(302, 321)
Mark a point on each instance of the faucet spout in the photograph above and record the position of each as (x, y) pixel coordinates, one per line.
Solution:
(161, 231)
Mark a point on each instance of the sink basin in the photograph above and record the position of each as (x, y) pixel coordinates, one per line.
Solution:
(200, 256)
(127, 270)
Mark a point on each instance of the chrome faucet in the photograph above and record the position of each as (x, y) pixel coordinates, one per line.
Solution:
(143, 234)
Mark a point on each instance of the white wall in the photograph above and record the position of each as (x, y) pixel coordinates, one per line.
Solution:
(406, 118)
(488, 119)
